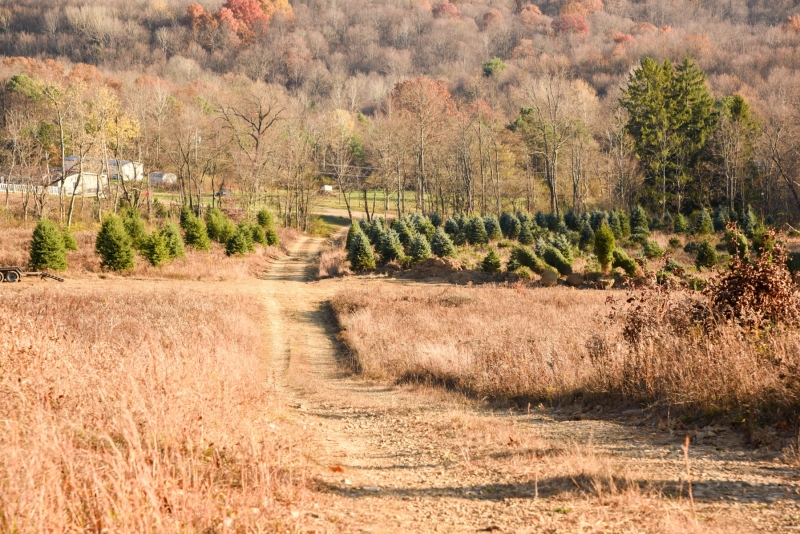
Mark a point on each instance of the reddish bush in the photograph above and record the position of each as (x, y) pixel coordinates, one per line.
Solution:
(570, 24)
(530, 15)
(446, 10)
(792, 24)
(492, 17)
(624, 38)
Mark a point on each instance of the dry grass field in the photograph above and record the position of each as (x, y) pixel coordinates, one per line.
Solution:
(139, 408)
(559, 344)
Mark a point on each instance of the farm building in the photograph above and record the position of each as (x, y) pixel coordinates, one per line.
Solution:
(163, 178)
(128, 171)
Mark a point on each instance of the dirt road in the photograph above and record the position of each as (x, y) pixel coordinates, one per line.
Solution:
(399, 459)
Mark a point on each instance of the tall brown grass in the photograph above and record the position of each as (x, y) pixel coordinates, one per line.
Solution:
(332, 261)
(139, 410)
(554, 344)
(208, 266)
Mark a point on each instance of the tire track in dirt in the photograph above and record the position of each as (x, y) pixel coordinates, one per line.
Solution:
(424, 461)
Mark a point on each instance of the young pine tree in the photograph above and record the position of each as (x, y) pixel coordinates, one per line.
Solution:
(441, 245)
(219, 227)
(420, 248)
(172, 239)
(492, 225)
(389, 246)
(47, 247)
(351, 233)
(258, 234)
(706, 256)
(526, 235)
(679, 224)
(155, 249)
(241, 242)
(640, 221)
(271, 236)
(134, 225)
(491, 263)
(69, 240)
(196, 234)
(476, 232)
(703, 225)
(361, 256)
(604, 245)
(586, 242)
(721, 218)
(264, 218)
(113, 245)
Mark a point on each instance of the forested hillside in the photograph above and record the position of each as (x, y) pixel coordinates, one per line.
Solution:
(467, 106)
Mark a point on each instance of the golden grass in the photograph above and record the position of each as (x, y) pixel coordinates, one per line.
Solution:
(139, 410)
(208, 266)
(558, 343)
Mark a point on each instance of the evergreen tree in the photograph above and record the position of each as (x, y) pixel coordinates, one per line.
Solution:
(351, 233)
(604, 245)
(572, 220)
(441, 245)
(69, 240)
(748, 221)
(624, 223)
(491, 263)
(526, 257)
(364, 224)
(586, 242)
(113, 245)
(425, 227)
(173, 241)
(420, 248)
(476, 232)
(376, 229)
(361, 256)
(258, 234)
(597, 218)
(218, 226)
(703, 225)
(492, 226)
(451, 227)
(186, 212)
(640, 221)
(541, 219)
(670, 112)
(196, 233)
(720, 218)
(667, 223)
(405, 233)
(435, 219)
(510, 226)
(134, 225)
(241, 242)
(271, 236)
(706, 256)
(390, 247)
(155, 250)
(556, 259)
(679, 224)
(526, 235)
(264, 219)
(614, 224)
(47, 247)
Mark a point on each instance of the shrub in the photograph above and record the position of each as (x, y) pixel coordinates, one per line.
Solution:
(604, 246)
(675, 242)
(586, 241)
(690, 247)
(47, 247)
(680, 225)
(523, 256)
(390, 247)
(492, 226)
(703, 225)
(554, 258)
(491, 263)
(420, 248)
(264, 219)
(652, 250)
(509, 225)
(640, 221)
(196, 233)
(524, 273)
(113, 245)
(763, 240)
(623, 261)
(441, 245)
(155, 250)
(360, 254)
(756, 290)
(241, 242)
(218, 226)
(69, 240)
(172, 238)
(721, 218)
(134, 226)
(526, 235)
(706, 256)
(451, 227)
(271, 235)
